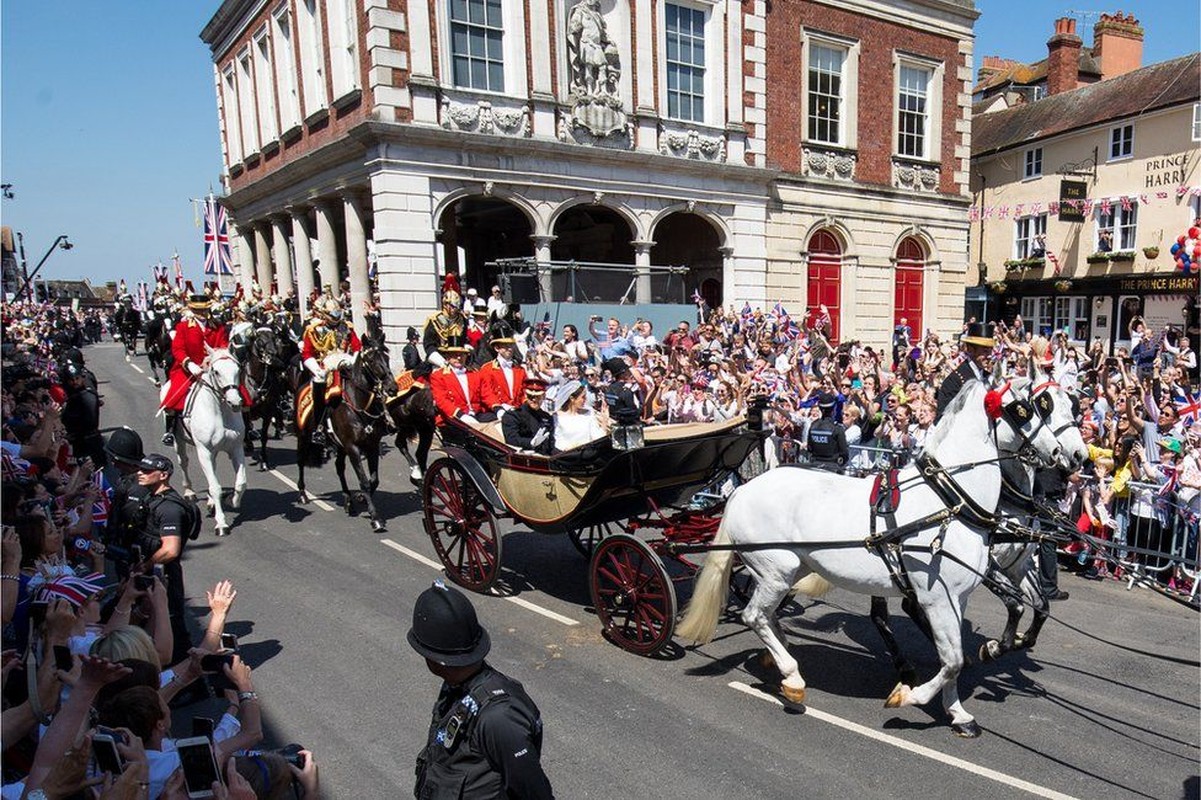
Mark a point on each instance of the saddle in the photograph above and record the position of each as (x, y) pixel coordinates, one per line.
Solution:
(304, 398)
(406, 382)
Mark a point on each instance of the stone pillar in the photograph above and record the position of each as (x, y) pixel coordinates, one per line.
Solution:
(642, 270)
(282, 253)
(304, 258)
(727, 276)
(356, 257)
(262, 257)
(542, 257)
(327, 247)
(241, 253)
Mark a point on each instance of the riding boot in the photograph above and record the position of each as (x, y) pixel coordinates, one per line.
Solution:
(169, 418)
(319, 415)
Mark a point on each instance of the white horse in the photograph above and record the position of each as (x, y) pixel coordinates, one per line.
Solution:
(821, 520)
(1013, 572)
(212, 422)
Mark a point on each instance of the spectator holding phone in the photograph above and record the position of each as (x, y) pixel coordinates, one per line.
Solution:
(485, 736)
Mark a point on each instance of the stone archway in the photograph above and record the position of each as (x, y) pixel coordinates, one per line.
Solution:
(476, 230)
(687, 240)
(598, 238)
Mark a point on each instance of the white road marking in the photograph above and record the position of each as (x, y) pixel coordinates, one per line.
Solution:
(139, 369)
(291, 484)
(520, 601)
(917, 749)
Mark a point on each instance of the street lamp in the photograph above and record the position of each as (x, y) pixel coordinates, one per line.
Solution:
(62, 242)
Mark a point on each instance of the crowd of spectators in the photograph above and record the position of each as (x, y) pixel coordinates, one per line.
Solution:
(100, 696)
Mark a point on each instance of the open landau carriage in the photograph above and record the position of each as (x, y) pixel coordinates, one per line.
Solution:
(599, 495)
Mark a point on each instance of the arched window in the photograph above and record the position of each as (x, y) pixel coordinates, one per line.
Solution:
(825, 278)
(911, 262)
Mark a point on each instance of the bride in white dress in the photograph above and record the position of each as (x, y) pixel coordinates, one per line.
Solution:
(575, 423)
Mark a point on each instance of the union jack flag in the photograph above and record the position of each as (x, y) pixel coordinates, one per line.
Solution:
(1188, 408)
(74, 589)
(217, 257)
(101, 507)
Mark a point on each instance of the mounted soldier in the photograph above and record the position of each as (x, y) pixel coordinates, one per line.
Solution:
(447, 324)
(194, 335)
(329, 342)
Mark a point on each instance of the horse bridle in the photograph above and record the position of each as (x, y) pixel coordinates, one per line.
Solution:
(1019, 412)
(218, 389)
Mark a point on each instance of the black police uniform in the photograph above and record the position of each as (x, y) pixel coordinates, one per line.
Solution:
(485, 742)
(81, 419)
(951, 385)
(827, 442)
(412, 359)
(166, 515)
(523, 423)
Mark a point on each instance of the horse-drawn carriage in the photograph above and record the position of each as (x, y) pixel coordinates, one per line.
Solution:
(599, 495)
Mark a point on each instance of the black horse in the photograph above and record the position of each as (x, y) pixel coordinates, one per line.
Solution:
(266, 365)
(158, 343)
(128, 321)
(412, 413)
(359, 420)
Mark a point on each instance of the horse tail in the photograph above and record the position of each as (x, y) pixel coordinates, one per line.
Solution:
(812, 585)
(712, 585)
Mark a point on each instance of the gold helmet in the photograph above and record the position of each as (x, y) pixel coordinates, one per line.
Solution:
(451, 298)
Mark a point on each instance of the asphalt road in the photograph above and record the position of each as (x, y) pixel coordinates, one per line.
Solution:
(1095, 711)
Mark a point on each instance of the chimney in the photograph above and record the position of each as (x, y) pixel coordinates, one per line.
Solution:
(1063, 57)
(1117, 44)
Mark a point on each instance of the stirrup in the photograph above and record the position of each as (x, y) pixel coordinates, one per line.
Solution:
(169, 439)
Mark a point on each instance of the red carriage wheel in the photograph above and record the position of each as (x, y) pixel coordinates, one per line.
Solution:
(586, 538)
(461, 525)
(633, 594)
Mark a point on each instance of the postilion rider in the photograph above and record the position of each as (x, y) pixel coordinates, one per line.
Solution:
(194, 335)
(330, 342)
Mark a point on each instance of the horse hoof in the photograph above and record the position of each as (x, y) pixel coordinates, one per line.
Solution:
(899, 696)
(223, 531)
(990, 650)
(792, 694)
(765, 660)
(966, 730)
(416, 476)
(377, 526)
(263, 466)
(909, 677)
(157, 382)
(304, 497)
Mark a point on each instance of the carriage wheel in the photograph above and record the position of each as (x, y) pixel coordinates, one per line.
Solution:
(461, 526)
(633, 594)
(585, 539)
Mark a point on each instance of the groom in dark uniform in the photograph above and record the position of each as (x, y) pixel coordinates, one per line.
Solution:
(977, 345)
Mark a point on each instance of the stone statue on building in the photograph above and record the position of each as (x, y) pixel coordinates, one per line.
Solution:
(594, 67)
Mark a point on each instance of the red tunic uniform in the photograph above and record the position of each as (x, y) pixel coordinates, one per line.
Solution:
(191, 336)
(495, 388)
(449, 397)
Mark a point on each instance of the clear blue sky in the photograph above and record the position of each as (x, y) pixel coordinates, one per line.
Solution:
(108, 121)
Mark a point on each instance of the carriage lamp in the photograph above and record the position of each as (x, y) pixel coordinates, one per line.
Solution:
(627, 437)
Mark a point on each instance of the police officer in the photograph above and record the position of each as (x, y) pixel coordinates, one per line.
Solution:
(168, 524)
(528, 426)
(624, 407)
(118, 480)
(827, 439)
(485, 737)
(81, 415)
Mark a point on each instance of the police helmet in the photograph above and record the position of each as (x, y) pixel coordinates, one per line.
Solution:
(445, 628)
(124, 445)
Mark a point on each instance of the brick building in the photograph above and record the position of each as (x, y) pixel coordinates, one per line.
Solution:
(1080, 194)
(807, 152)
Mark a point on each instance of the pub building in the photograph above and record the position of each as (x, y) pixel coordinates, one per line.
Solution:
(1084, 174)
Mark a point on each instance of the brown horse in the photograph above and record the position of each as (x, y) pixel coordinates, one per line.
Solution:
(359, 420)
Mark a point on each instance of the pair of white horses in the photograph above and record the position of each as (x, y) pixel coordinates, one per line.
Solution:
(821, 520)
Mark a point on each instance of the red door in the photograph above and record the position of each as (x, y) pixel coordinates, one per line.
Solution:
(911, 257)
(825, 278)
